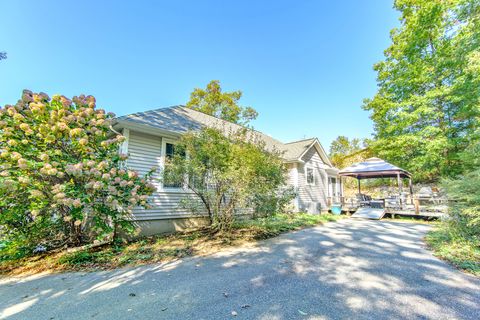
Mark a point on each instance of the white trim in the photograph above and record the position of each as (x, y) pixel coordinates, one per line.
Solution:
(124, 145)
(295, 178)
(144, 128)
(293, 161)
(295, 175)
(163, 156)
(320, 150)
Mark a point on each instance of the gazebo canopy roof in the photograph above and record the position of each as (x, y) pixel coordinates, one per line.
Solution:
(374, 168)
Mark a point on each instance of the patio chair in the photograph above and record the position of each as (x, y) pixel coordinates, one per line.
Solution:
(363, 200)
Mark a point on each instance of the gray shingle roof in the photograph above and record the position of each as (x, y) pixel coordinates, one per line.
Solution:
(180, 119)
(295, 149)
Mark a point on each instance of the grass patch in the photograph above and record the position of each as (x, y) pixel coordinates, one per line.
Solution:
(271, 226)
(162, 248)
(462, 252)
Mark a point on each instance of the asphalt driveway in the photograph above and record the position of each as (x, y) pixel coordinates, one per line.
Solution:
(353, 269)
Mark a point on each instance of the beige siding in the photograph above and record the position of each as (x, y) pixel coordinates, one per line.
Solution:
(312, 198)
(292, 181)
(145, 153)
(292, 177)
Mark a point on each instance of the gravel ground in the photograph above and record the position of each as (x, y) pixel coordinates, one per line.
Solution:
(348, 269)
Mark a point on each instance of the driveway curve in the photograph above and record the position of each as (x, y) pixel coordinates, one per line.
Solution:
(348, 269)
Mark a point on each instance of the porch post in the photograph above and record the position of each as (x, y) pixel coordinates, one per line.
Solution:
(342, 199)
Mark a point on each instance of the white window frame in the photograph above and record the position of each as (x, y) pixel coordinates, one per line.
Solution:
(306, 176)
(163, 160)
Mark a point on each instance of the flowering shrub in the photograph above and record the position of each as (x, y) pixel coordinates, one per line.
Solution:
(62, 179)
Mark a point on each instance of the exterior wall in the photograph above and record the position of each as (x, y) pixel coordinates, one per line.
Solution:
(312, 198)
(152, 227)
(292, 180)
(167, 215)
(145, 152)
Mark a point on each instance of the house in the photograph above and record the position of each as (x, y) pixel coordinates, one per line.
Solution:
(151, 136)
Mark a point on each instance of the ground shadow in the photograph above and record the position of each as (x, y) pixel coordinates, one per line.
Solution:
(349, 269)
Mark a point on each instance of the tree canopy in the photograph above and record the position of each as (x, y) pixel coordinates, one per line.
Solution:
(428, 100)
(343, 147)
(224, 105)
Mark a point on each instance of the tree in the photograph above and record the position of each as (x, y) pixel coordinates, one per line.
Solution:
(465, 210)
(427, 104)
(342, 147)
(62, 179)
(226, 174)
(223, 105)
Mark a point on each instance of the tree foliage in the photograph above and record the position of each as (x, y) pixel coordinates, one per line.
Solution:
(62, 178)
(227, 174)
(3, 55)
(464, 190)
(224, 105)
(428, 101)
(343, 148)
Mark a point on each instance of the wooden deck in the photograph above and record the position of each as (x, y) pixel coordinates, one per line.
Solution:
(369, 213)
(412, 213)
(408, 212)
(411, 208)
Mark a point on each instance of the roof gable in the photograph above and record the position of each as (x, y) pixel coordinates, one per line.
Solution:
(298, 149)
(180, 119)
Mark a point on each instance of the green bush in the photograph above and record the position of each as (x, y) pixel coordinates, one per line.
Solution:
(267, 204)
(464, 210)
(226, 171)
(79, 257)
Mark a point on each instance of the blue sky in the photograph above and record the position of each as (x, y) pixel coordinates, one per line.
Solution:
(305, 66)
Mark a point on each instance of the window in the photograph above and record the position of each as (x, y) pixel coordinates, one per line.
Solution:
(169, 153)
(310, 176)
(169, 150)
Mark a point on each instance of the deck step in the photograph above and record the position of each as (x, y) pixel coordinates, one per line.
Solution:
(369, 213)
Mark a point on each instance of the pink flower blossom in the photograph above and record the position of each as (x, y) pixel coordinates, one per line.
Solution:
(132, 174)
(77, 203)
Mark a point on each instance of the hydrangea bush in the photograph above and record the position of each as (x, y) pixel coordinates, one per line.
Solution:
(62, 178)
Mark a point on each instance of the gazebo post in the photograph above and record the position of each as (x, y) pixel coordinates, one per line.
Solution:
(399, 181)
(410, 186)
(359, 188)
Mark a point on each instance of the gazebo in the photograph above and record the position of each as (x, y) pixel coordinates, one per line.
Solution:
(377, 168)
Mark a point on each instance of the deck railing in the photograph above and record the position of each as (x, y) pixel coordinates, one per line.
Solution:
(417, 205)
